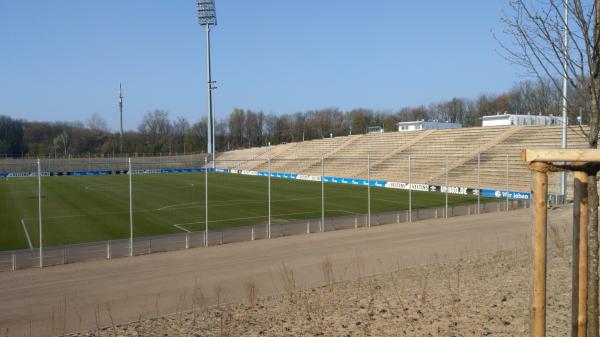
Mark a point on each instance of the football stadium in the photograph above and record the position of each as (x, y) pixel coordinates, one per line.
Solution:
(364, 169)
(98, 207)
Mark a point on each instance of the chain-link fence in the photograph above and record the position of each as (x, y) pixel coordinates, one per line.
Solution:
(59, 211)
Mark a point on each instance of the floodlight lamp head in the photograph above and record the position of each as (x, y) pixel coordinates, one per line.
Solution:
(207, 14)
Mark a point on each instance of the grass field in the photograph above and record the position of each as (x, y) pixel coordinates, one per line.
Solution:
(95, 208)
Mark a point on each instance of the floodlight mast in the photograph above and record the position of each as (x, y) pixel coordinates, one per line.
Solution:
(121, 117)
(207, 17)
(565, 120)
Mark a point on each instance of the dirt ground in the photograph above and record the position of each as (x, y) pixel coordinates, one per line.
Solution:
(464, 276)
(485, 295)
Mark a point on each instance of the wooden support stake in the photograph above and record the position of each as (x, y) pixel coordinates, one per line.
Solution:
(539, 251)
(575, 257)
(581, 180)
(561, 155)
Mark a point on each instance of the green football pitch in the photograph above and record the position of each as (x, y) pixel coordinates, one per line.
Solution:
(78, 209)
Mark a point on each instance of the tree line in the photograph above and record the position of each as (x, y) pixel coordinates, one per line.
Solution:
(158, 133)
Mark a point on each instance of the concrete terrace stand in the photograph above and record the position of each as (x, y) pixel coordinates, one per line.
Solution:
(585, 164)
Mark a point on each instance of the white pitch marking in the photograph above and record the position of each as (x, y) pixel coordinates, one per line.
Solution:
(197, 204)
(256, 217)
(175, 205)
(27, 234)
(181, 228)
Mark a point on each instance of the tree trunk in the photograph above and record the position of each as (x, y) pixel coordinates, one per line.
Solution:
(592, 280)
(592, 300)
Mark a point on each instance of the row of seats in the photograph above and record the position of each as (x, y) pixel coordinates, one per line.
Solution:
(102, 163)
(487, 157)
(386, 156)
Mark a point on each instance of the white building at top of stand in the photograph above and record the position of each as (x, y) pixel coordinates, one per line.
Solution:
(509, 119)
(426, 125)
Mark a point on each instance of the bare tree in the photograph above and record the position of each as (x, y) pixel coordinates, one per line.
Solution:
(97, 123)
(197, 137)
(62, 142)
(181, 128)
(253, 128)
(537, 29)
(156, 128)
(236, 121)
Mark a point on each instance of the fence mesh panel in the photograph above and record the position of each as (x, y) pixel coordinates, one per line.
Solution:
(86, 201)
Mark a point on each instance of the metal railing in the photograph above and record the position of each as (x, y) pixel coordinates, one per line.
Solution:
(107, 250)
(137, 194)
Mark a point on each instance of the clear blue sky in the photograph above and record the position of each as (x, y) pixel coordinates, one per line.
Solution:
(63, 59)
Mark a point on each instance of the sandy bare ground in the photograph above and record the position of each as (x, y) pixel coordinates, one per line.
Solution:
(82, 296)
(482, 295)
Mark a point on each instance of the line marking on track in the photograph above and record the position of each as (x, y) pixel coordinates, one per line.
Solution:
(181, 228)
(27, 234)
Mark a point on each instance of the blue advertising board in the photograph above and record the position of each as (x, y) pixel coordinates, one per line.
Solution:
(488, 193)
(503, 193)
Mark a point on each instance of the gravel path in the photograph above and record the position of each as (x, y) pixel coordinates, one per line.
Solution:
(431, 291)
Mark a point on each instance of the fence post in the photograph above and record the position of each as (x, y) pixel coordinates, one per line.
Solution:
(308, 227)
(130, 209)
(397, 218)
(39, 169)
(149, 246)
(252, 234)
(369, 191)
(205, 201)
(580, 246)
(108, 250)
(269, 193)
(322, 194)
(14, 261)
(409, 190)
(478, 182)
(221, 242)
(187, 240)
(355, 221)
(507, 186)
(446, 171)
